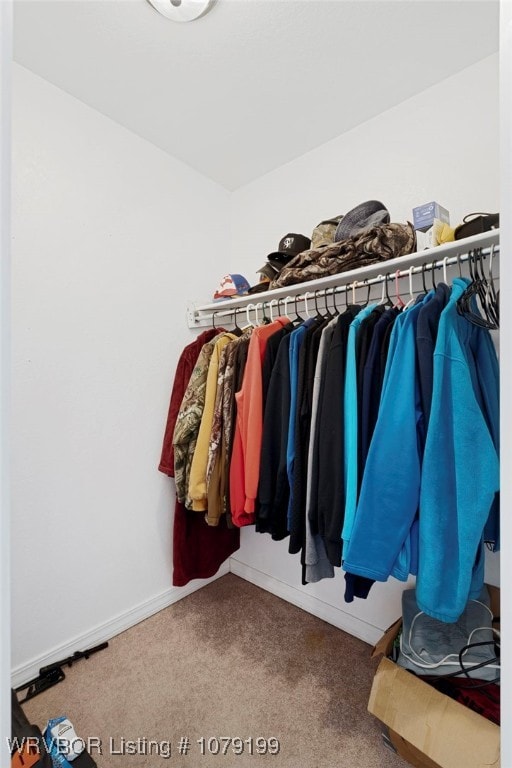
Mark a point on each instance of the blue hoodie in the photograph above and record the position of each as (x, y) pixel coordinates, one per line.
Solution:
(460, 466)
(296, 340)
(351, 427)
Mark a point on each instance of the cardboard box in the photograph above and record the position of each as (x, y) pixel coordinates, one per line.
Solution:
(427, 728)
(424, 215)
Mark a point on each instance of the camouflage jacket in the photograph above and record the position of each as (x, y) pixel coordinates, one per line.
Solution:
(189, 421)
(387, 241)
(222, 431)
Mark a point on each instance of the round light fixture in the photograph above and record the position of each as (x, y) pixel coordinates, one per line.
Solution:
(183, 10)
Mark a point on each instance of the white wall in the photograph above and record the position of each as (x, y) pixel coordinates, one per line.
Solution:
(439, 145)
(5, 368)
(111, 237)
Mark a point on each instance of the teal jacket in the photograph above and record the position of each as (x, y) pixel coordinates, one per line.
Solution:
(460, 476)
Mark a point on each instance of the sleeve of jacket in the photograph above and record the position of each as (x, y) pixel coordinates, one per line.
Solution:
(187, 422)
(390, 489)
(181, 378)
(460, 479)
(236, 481)
(251, 402)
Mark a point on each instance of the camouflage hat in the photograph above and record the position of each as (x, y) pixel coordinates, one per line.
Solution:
(323, 233)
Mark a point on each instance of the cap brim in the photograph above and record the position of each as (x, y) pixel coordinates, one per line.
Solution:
(259, 287)
(280, 255)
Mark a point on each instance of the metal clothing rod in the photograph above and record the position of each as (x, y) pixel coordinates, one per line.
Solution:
(352, 285)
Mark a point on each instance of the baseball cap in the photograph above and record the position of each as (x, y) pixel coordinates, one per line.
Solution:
(323, 233)
(231, 285)
(289, 246)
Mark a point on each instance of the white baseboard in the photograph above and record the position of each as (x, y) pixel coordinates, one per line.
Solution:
(111, 628)
(335, 616)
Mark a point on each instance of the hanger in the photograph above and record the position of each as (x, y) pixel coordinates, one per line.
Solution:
(387, 289)
(249, 321)
(329, 311)
(236, 330)
(489, 296)
(258, 321)
(432, 275)
(285, 303)
(265, 320)
(383, 295)
(479, 286)
(411, 292)
(297, 313)
(346, 287)
(423, 269)
(271, 304)
(445, 277)
(365, 282)
(306, 295)
(326, 314)
(459, 265)
(334, 311)
(495, 295)
(400, 304)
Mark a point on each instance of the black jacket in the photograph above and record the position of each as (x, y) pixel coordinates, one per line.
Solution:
(273, 487)
(331, 476)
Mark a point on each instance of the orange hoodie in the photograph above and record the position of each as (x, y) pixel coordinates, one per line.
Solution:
(245, 460)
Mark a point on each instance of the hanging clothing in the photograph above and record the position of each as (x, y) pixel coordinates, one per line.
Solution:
(270, 357)
(273, 487)
(217, 474)
(328, 507)
(364, 340)
(197, 481)
(351, 397)
(186, 363)
(245, 463)
(296, 342)
(198, 551)
(460, 465)
(426, 337)
(373, 376)
(371, 439)
(316, 564)
(188, 422)
(307, 364)
(234, 452)
(377, 545)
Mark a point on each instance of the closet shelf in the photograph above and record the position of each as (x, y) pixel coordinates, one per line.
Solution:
(203, 314)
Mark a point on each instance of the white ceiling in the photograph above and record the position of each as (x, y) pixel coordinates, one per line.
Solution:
(255, 83)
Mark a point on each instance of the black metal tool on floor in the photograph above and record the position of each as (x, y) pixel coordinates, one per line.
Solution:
(52, 674)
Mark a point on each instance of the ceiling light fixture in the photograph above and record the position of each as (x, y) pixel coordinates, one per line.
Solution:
(183, 10)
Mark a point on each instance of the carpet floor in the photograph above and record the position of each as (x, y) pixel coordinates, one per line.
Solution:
(229, 660)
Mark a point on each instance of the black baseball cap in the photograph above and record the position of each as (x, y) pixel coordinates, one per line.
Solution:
(289, 246)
